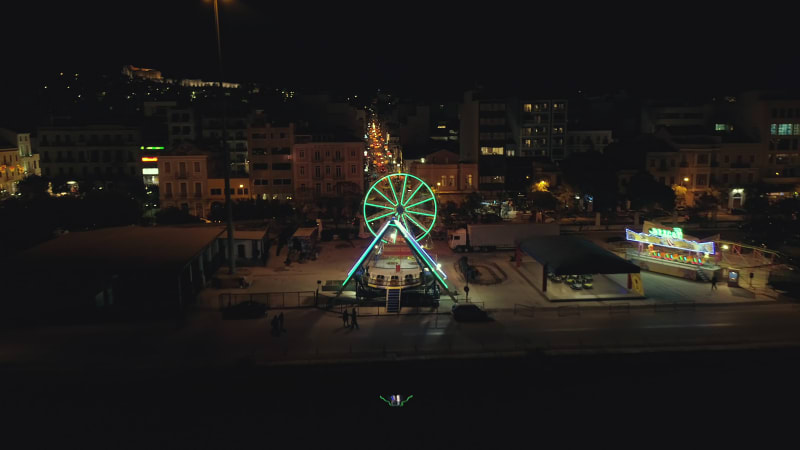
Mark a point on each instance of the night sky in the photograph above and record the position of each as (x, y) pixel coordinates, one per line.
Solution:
(412, 49)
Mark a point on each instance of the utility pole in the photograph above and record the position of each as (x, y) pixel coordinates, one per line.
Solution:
(228, 203)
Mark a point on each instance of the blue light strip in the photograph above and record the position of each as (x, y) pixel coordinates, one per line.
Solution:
(367, 251)
(671, 246)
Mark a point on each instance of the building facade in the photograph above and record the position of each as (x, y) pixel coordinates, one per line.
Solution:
(270, 159)
(190, 179)
(181, 126)
(543, 128)
(327, 169)
(451, 179)
(236, 140)
(100, 154)
(579, 141)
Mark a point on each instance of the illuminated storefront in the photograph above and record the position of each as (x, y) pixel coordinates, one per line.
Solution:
(667, 250)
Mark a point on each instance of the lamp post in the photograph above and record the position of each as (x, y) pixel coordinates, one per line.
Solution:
(228, 203)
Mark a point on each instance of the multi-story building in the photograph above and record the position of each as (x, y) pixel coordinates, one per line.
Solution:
(270, 158)
(543, 128)
(93, 153)
(236, 139)
(451, 179)
(775, 118)
(486, 138)
(11, 170)
(181, 126)
(325, 166)
(579, 141)
(192, 179)
(27, 157)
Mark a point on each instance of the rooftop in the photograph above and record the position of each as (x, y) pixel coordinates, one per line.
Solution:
(570, 255)
(120, 249)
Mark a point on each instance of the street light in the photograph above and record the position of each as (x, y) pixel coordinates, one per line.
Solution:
(228, 203)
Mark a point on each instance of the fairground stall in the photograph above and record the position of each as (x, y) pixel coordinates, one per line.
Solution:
(662, 249)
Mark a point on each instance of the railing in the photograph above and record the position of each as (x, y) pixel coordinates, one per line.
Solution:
(198, 194)
(273, 300)
(674, 306)
(524, 310)
(181, 176)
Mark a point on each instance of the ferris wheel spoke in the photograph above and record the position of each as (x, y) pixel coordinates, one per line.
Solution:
(414, 193)
(387, 198)
(391, 185)
(378, 206)
(403, 192)
(374, 218)
(419, 203)
(421, 213)
(415, 222)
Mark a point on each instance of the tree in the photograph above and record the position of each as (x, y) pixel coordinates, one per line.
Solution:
(543, 201)
(473, 202)
(33, 188)
(175, 216)
(645, 192)
(594, 174)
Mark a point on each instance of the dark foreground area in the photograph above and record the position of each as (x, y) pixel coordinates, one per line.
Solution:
(721, 396)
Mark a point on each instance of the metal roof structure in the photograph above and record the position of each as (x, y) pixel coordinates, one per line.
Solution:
(569, 255)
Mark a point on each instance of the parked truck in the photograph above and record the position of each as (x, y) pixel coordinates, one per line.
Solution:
(501, 236)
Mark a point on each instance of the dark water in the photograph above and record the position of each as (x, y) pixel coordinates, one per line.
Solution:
(641, 399)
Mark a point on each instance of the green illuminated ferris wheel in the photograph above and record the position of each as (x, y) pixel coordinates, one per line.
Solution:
(405, 197)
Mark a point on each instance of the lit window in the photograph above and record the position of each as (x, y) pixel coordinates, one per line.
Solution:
(720, 127)
(528, 107)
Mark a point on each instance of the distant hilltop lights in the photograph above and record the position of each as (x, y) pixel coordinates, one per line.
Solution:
(155, 75)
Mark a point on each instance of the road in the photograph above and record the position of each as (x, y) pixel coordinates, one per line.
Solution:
(206, 340)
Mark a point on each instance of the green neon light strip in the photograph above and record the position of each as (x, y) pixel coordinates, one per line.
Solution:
(403, 192)
(366, 252)
(421, 213)
(401, 403)
(378, 206)
(387, 198)
(414, 221)
(414, 193)
(380, 217)
(391, 185)
(415, 204)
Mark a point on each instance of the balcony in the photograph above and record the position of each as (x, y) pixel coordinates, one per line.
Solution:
(740, 165)
(338, 158)
(168, 195)
(198, 194)
(181, 175)
(184, 195)
(684, 164)
(317, 176)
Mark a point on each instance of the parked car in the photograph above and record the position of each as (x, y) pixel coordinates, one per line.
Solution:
(469, 312)
(245, 310)
(575, 285)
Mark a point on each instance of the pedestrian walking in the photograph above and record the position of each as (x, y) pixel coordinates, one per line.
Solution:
(345, 318)
(280, 322)
(274, 325)
(353, 320)
(713, 282)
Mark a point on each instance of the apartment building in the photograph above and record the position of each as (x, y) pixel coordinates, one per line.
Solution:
(192, 179)
(452, 179)
(236, 140)
(270, 158)
(96, 153)
(543, 128)
(325, 166)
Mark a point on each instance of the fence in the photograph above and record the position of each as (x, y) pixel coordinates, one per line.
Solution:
(524, 310)
(273, 300)
(369, 311)
(569, 311)
(674, 306)
(619, 308)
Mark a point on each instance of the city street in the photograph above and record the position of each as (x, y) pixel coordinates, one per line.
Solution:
(204, 339)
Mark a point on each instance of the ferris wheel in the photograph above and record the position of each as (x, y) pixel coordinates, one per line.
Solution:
(405, 197)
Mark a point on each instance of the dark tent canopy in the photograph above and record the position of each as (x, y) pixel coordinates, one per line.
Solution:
(569, 255)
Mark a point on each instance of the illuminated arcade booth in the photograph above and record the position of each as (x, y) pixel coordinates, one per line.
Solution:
(399, 211)
(667, 250)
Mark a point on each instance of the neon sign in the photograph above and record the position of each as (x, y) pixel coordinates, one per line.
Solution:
(670, 242)
(675, 233)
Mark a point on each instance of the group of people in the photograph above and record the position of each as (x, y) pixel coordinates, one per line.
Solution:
(277, 325)
(352, 318)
